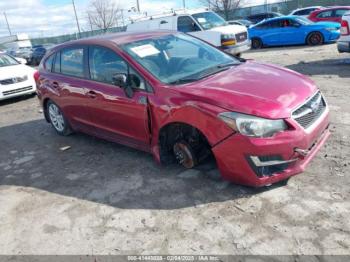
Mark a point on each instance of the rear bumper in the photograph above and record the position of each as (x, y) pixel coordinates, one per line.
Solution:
(239, 157)
(344, 46)
(239, 48)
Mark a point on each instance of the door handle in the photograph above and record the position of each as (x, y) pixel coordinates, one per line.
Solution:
(91, 94)
(55, 85)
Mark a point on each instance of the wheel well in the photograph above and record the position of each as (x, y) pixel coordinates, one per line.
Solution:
(45, 110)
(174, 132)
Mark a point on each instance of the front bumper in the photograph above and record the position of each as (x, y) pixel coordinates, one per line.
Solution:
(343, 47)
(17, 89)
(238, 48)
(295, 148)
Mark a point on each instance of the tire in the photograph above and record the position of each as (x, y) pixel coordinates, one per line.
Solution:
(257, 43)
(57, 119)
(314, 38)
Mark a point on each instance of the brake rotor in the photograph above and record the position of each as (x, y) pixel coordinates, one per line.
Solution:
(184, 154)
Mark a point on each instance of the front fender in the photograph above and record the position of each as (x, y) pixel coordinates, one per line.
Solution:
(199, 115)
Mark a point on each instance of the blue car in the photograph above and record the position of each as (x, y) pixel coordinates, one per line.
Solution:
(292, 30)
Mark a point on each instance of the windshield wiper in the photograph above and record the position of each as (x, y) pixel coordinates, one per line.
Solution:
(227, 65)
(183, 81)
(205, 73)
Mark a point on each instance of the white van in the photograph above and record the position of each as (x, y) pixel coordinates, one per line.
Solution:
(202, 24)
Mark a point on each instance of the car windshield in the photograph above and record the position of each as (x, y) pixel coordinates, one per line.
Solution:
(304, 21)
(6, 60)
(178, 58)
(209, 20)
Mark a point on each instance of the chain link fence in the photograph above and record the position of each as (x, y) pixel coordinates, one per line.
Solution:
(69, 37)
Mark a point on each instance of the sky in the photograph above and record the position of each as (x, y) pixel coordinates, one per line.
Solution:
(42, 18)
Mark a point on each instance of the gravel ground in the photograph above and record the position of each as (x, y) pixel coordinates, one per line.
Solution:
(102, 198)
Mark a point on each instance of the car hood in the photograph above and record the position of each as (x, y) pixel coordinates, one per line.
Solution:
(15, 71)
(229, 29)
(253, 88)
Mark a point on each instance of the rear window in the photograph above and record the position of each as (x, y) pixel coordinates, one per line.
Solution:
(48, 63)
(72, 62)
(340, 12)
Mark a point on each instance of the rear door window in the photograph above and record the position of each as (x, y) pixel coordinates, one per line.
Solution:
(72, 62)
(57, 63)
(325, 14)
(340, 12)
(48, 63)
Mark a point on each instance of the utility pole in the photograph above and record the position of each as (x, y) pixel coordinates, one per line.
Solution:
(122, 13)
(7, 22)
(138, 5)
(184, 4)
(76, 18)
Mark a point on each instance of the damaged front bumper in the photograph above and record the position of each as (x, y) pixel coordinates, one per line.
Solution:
(262, 161)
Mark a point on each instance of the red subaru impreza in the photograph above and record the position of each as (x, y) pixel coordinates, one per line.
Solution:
(183, 100)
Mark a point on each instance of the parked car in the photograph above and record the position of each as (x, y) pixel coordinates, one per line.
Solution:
(37, 55)
(344, 40)
(203, 24)
(331, 14)
(306, 11)
(292, 30)
(257, 18)
(20, 52)
(262, 123)
(15, 79)
(243, 22)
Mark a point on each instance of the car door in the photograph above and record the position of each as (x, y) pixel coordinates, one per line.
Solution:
(291, 32)
(69, 78)
(114, 115)
(270, 32)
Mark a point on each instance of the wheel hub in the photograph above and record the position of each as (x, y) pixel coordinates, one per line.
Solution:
(184, 154)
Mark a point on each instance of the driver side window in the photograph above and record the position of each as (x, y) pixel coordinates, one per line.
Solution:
(186, 24)
(104, 64)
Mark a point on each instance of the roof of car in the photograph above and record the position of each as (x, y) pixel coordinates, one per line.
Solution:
(117, 38)
(333, 7)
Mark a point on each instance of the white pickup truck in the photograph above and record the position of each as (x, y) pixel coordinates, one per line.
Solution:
(203, 24)
(344, 40)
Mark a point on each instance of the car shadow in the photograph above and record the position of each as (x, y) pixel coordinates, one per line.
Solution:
(287, 48)
(83, 167)
(17, 99)
(328, 67)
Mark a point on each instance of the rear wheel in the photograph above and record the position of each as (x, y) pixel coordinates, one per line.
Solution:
(57, 119)
(257, 43)
(315, 38)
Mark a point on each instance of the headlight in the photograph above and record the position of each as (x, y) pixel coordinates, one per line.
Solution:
(227, 37)
(252, 126)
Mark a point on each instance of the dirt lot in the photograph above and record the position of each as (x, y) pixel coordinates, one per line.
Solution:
(103, 198)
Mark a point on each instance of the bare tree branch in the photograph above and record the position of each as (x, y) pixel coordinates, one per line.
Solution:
(222, 6)
(103, 14)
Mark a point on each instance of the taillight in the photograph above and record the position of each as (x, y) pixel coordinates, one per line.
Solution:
(345, 29)
(36, 75)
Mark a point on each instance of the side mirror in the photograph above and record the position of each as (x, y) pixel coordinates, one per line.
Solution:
(124, 81)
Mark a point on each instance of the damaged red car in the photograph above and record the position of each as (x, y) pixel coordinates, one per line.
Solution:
(182, 100)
